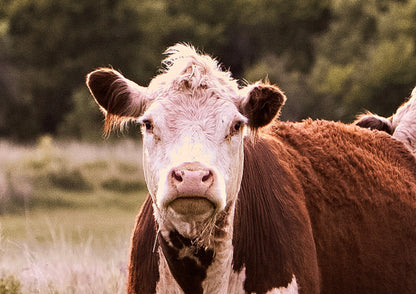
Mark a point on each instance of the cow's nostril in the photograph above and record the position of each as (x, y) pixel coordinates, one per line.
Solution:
(207, 176)
(177, 175)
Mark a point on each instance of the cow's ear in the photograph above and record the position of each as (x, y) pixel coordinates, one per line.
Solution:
(375, 122)
(119, 98)
(261, 104)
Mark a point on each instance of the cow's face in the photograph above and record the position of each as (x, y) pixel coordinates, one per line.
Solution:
(193, 153)
(193, 118)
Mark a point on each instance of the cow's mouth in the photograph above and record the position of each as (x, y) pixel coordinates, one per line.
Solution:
(192, 205)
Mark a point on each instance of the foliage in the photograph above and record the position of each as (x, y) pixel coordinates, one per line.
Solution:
(241, 31)
(367, 57)
(84, 122)
(57, 43)
(333, 58)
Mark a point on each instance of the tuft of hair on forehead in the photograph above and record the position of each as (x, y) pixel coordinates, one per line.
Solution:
(186, 68)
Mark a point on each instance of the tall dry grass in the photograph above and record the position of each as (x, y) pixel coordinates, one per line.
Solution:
(60, 266)
(52, 190)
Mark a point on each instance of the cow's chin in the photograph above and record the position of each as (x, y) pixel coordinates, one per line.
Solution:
(192, 208)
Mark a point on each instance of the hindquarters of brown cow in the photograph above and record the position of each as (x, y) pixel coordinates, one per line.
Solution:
(360, 189)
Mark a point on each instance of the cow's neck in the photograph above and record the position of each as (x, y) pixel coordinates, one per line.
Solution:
(187, 266)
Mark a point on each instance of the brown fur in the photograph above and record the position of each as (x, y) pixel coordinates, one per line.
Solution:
(272, 233)
(333, 204)
(143, 268)
(360, 189)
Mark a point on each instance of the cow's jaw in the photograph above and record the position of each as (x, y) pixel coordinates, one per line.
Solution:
(185, 267)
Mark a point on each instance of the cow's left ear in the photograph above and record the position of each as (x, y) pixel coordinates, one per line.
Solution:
(262, 102)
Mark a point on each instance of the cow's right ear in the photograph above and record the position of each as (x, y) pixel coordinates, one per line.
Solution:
(262, 102)
(119, 98)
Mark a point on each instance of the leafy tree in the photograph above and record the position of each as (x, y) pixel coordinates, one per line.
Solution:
(293, 83)
(366, 60)
(240, 32)
(84, 122)
(333, 58)
(7, 84)
(57, 42)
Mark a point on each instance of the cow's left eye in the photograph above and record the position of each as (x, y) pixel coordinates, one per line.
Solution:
(237, 126)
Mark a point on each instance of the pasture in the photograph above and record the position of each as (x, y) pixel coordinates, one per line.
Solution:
(67, 210)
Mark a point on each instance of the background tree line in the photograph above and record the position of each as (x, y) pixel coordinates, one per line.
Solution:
(333, 58)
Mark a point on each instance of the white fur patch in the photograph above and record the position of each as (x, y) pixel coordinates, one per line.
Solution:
(292, 288)
(167, 283)
(219, 274)
(236, 285)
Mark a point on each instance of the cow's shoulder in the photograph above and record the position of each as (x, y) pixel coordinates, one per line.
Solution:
(272, 233)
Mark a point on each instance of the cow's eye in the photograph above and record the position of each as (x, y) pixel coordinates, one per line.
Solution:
(237, 126)
(148, 125)
(235, 129)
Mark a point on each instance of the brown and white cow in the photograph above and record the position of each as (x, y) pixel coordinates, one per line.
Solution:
(242, 203)
(401, 125)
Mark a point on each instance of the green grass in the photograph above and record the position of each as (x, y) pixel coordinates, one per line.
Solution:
(66, 217)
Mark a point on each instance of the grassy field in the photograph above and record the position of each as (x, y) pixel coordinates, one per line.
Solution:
(67, 210)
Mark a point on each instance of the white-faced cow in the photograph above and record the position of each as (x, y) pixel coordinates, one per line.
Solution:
(240, 202)
(401, 125)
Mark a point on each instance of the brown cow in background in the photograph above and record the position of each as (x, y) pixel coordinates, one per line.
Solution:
(242, 203)
(401, 125)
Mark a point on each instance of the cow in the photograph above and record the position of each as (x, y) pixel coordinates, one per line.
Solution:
(401, 125)
(241, 202)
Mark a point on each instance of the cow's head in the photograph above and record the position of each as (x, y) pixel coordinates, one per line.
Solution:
(193, 117)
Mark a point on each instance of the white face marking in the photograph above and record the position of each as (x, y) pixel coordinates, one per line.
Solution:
(198, 128)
